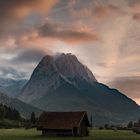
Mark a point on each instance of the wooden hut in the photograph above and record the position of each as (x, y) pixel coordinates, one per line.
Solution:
(64, 123)
(136, 128)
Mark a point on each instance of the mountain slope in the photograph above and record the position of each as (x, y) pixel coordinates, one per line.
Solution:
(62, 83)
(11, 87)
(24, 109)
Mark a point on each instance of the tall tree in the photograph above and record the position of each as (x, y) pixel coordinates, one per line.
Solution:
(139, 121)
(91, 121)
(33, 118)
(130, 124)
(2, 112)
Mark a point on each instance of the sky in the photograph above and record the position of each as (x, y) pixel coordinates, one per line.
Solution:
(103, 34)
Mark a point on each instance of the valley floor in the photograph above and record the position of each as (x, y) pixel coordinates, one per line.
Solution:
(32, 134)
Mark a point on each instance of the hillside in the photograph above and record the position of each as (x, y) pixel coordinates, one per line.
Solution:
(11, 87)
(24, 109)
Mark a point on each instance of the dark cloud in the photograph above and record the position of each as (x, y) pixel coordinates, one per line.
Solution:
(21, 65)
(136, 16)
(97, 10)
(65, 33)
(109, 11)
(13, 11)
(28, 56)
(128, 85)
(9, 72)
(101, 64)
(133, 2)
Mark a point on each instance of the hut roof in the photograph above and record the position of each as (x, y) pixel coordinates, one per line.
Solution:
(61, 120)
(137, 125)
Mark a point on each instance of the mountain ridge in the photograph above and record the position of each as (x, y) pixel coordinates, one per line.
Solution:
(64, 83)
(11, 87)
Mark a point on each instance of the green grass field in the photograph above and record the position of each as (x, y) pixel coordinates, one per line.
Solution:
(32, 134)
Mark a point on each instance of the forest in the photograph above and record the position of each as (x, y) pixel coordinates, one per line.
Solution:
(11, 118)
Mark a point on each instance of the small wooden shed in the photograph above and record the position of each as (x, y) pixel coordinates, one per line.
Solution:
(64, 123)
(136, 128)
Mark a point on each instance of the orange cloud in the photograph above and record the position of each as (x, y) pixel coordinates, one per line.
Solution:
(128, 85)
(30, 6)
(12, 11)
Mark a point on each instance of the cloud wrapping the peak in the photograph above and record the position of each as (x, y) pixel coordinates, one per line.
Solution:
(28, 56)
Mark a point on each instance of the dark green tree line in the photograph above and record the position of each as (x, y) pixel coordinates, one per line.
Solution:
(8, 113)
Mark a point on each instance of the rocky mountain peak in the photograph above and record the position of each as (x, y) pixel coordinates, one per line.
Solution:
(69, 66)
(52, 71)
(65, 65)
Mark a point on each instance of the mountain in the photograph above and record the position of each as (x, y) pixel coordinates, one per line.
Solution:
(11, 87)
(63, 83)
(51, 71)
(24, 109)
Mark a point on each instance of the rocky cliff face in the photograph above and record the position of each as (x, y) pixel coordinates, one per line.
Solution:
(51, 72)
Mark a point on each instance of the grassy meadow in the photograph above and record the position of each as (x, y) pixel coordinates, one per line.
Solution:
(32, 134)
